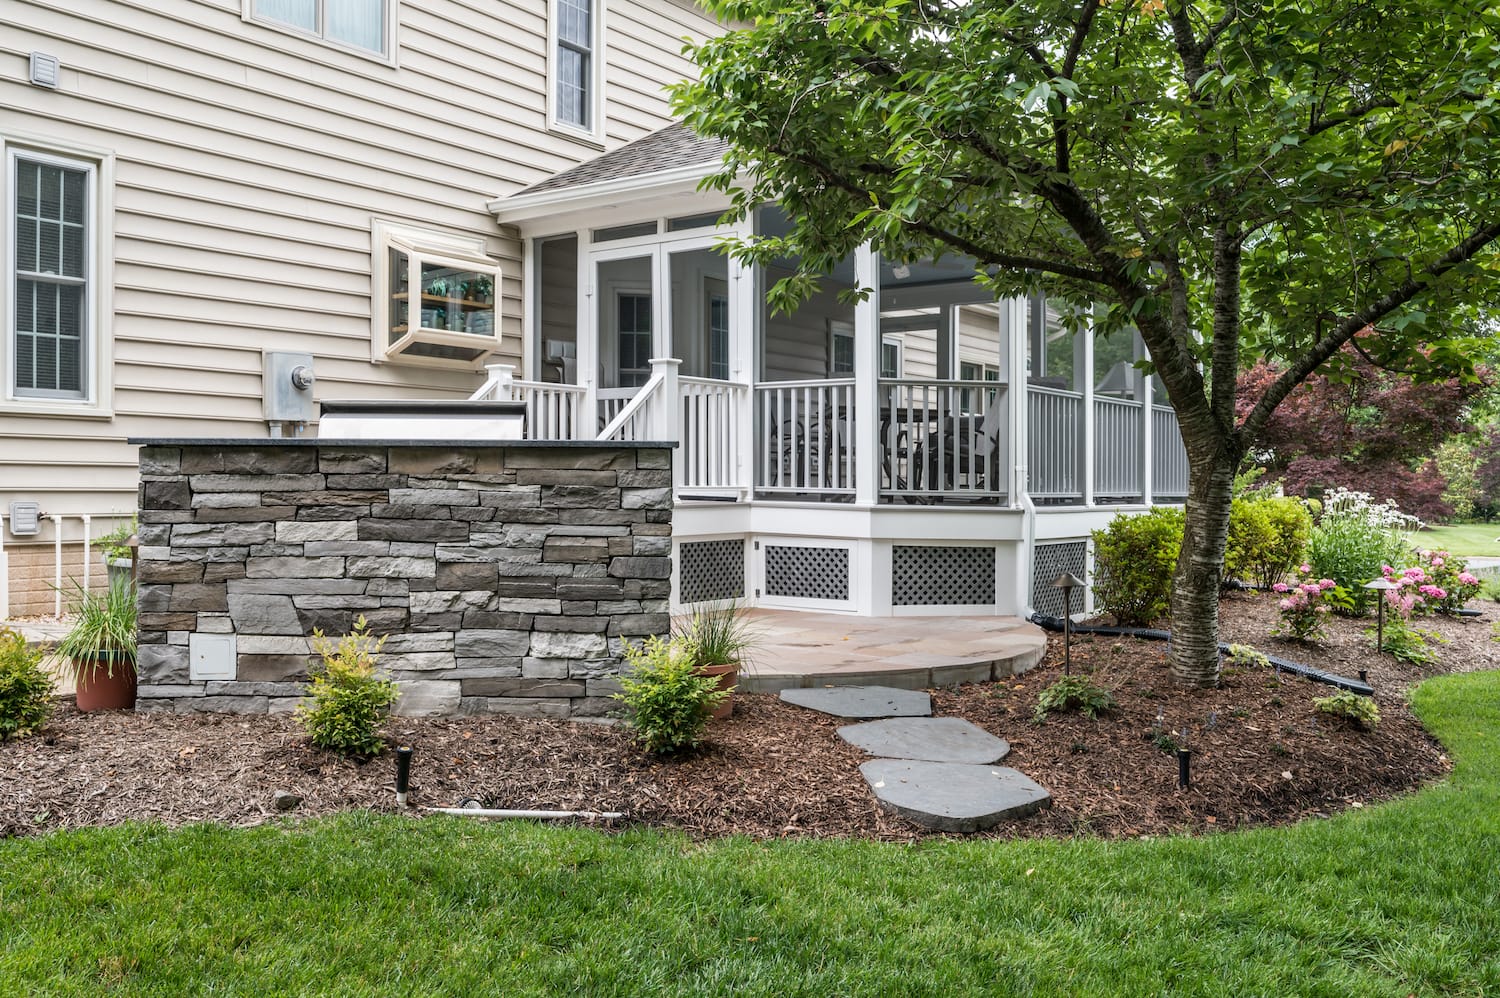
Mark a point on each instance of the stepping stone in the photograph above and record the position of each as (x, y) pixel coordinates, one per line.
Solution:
(951, 797)
(934, 739)
(862, 701)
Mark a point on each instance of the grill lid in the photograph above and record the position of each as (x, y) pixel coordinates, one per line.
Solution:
(460, 419)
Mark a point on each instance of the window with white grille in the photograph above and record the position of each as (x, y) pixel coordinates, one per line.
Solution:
(934, 575)
(54, 352)
(576, 65)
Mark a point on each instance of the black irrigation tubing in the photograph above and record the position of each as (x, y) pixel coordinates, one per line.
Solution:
(1151, 634)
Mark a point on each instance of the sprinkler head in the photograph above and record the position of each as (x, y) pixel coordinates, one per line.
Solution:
(403, 773)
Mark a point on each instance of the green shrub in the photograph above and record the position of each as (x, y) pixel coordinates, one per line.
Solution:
(1267, 538)
(1403, 641)
(1351, 552)
(1244, 656)
(1073, 693)
(669, 700)
(1361, 711)
(25, 690)
(1134, 558)
(346, 701)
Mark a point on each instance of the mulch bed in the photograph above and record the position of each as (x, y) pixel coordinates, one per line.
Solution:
(1262, 754)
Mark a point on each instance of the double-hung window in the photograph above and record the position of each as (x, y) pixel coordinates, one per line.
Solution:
(359, 24)
(54, 349)
(576, 64)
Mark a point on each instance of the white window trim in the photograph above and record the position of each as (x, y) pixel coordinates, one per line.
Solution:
(594, 134)
(890, 340)
(98, 400)
(419, 243)
(839, 329)
(386, 58)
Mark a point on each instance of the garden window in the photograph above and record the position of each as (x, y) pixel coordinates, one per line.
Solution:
(359, 24)
(53, 350)
(439, 299)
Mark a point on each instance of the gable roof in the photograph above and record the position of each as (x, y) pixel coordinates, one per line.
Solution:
(668, 148)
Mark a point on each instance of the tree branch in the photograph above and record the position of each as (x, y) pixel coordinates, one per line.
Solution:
(1345, 117)
(1309, 362)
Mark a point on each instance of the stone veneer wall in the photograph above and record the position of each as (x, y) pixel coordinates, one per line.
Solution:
(507, 576)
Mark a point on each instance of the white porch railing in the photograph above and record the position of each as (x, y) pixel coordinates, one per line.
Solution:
(611, 402)
(632, 418)
(62, 573)
(1169, 463)
(1054, 443)
(553, 411)
(710, 431)
(942, 439)
(1118, 448)
(805, 437)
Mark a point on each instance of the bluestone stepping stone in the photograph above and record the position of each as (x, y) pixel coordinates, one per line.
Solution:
(953, 797)
(862, 701)
(934, 739)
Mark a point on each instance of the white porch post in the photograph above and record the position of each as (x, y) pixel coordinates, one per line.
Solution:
(866, 427)
(586, 343)
(666, 410)
(1148, 443)
(1084, 361)
(744, 349)
(1015, 331)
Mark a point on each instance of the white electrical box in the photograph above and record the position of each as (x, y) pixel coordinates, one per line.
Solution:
(211, 656)
(25, 518)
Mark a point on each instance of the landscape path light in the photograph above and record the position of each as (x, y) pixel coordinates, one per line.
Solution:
(1381, 587)
(1067, 582)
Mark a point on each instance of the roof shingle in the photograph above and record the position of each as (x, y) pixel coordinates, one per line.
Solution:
(673, 146)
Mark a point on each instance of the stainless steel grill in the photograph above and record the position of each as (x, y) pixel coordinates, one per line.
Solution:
(438, 420)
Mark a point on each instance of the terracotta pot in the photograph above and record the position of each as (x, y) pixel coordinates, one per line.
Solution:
(728, 675)
(103, 688)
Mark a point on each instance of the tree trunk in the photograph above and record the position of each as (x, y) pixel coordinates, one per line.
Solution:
(1195, 584)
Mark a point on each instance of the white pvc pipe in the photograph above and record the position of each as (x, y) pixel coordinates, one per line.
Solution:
(481, 812)
(87, 540)
(56, 565)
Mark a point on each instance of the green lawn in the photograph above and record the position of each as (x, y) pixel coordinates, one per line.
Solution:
(1467, 539)
(1391, 900)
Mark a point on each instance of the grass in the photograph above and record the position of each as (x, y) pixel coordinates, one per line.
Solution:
(1390, 900)
(1466, 539)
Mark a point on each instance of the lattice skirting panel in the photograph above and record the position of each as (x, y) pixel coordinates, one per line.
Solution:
(711, 570)
(813, 573)
(1048, 562)
(932, 575)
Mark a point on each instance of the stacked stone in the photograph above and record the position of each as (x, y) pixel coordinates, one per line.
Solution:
(506, 577)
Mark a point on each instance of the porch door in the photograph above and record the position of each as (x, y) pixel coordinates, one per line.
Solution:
(627, 323)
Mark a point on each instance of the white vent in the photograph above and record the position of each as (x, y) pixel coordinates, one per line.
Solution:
(44, 70)
(932, 575)
(807, 573)
(1050, 561)
(711, 570)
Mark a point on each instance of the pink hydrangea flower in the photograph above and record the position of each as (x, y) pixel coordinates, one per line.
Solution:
(1465, 579)
(1281, 587)
(1305, 568)
(1433, 592)
(1326, 584)
(1437, 563)
(1414, 573)
(1285, 604)
(1387, 571)
(1311, 588)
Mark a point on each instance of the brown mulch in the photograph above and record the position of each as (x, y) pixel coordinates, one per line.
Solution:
(1261, 754)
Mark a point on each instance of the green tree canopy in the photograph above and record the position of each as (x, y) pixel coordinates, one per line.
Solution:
(1256, 180)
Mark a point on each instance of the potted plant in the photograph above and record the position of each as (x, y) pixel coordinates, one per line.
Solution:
(99, 651)
(719, 641)
(114, 548)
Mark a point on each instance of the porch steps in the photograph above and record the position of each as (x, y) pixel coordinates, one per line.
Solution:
(797, 650)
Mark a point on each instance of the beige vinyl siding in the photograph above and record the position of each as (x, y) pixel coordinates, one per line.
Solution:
(249, 166)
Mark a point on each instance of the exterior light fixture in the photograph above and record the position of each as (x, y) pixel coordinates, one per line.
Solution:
(1067, 582)
(1381, 587)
